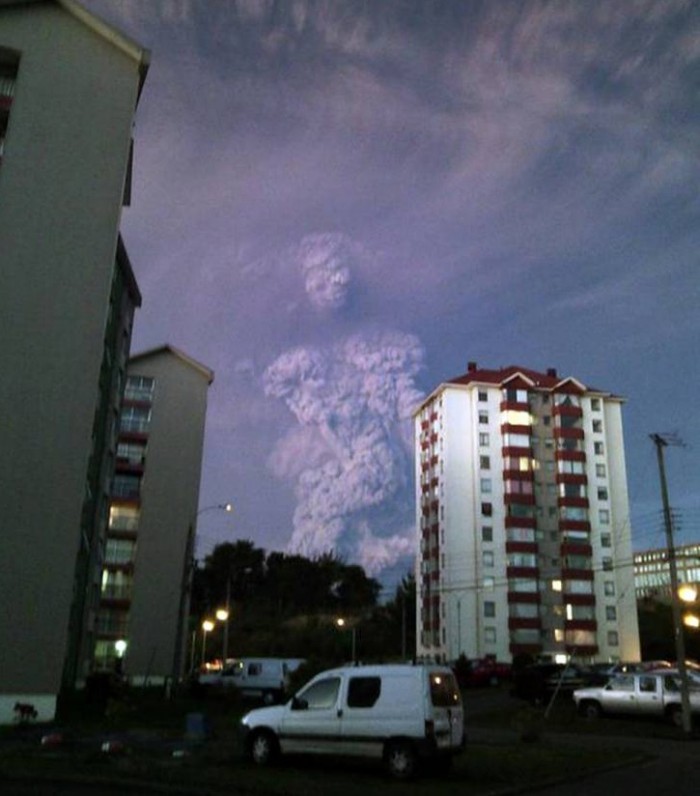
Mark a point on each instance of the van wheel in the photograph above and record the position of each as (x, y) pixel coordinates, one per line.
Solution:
(400, 760)
(263, 748)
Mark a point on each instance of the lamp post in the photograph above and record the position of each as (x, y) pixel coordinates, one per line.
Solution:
(222, 615)
(341, 623)
(207, 627)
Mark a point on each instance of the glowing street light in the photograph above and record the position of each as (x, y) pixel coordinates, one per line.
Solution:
(688, 593)
(207, 627)
(341, 623)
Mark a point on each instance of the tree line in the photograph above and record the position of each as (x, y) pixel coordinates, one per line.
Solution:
(286, 605)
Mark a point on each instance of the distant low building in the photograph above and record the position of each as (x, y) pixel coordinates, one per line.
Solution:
(152, 517)
(69, 87)
(652, 574)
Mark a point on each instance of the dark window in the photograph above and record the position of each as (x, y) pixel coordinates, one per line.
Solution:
(363, 692)
(487, 509)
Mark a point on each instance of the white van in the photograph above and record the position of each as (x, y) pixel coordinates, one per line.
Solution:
(258, 677)
(398, 713)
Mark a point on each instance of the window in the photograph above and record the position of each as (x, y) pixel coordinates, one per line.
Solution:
(485, 462)
(604, 517)
(321, 695)
(598, 448)
(135, 419)
(489, 583)
(126, 486)
(487, 509)
(600, 470)
(484, 439)
(607, 564)
(579, 587)
(120, 551)
(490, 635)
(547, 420)
(605, 540)
(613, 641)
(489, 609)
(487, 533)
(516, 440)
(575, 513)
(522, 560)
(139, 388)
(485, 485)
(483, 417)
(517, 418)
(574, 468)
(124, 518)
(597, 426)
(602, 493)
(609, 588)
(487, 559)
(572, 490)
(483, 396)
(611, 613)
(523, 610)
(595, 404)
(363, 692)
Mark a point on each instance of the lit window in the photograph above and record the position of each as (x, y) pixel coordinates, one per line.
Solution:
(489, 583)
(556, 585)
(490, 635)
(517, 418)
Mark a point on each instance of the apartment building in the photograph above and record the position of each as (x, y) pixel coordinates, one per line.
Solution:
(152, 517)
(523, 519)
(69, 87)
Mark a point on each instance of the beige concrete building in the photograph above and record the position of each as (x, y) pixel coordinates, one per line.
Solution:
(153, 514)
(523, 519)
(69, 86)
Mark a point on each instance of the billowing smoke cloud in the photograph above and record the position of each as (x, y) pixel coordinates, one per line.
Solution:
(351, 453)
(325, 261)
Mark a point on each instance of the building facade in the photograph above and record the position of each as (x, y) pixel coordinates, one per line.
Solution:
(152, 517)
(523, 520)
(69, 87)
(652, 574)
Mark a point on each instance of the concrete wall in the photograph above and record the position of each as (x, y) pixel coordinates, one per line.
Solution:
(61, 186)
(169, 498)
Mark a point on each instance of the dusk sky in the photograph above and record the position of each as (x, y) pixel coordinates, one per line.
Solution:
(338, 204)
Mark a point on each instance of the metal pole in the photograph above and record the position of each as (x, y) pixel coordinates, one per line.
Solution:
(228, 619)
(661, 443)
(354, 645)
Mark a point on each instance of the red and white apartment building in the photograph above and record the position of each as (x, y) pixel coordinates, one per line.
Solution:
(523, 519)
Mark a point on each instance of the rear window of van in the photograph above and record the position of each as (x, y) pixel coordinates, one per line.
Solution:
(443, 690)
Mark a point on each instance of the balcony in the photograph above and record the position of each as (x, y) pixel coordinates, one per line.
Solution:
(568, 433)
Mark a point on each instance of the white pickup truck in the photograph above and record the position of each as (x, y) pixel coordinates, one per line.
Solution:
(652, 694)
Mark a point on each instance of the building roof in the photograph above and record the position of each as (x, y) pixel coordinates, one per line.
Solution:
(518, 375)
(170, 349)
(128, 46)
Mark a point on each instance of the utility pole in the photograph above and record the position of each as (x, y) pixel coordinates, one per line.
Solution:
(661, 441)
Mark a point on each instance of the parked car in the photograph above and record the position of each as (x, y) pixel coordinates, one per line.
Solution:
(266, 678)
(538, 682)
(400, 714)
(652, 694)
(481, 672)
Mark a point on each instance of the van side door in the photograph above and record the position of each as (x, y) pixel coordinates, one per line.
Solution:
(311, 720)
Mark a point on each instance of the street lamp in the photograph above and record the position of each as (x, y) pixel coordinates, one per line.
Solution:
(207, 627)
(341, 623)
(222, 615)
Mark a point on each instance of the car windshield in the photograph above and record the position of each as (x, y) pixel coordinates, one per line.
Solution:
(443, 690)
